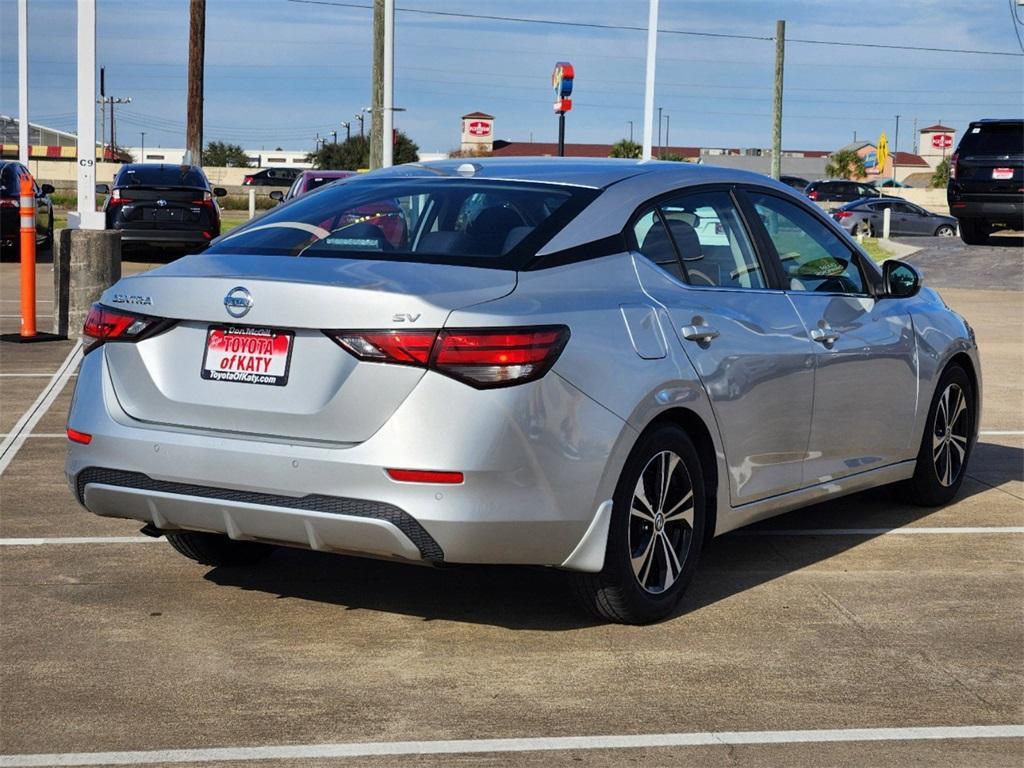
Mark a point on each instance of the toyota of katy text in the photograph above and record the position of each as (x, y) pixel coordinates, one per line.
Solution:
(593, 365)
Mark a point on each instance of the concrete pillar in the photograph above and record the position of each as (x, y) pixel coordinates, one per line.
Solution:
(85, 263)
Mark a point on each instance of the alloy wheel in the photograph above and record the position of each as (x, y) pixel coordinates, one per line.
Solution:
(950, 435)
(661, 522)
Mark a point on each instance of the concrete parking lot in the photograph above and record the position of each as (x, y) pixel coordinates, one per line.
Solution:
(825, 636)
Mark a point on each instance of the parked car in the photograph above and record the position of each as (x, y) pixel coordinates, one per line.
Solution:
(986, 179)
(825, 192)
(162, 206)
(307, 181)
(11, 174)
(538, 367)
(271, 177)
(796, 182)
(890, 183)
(864, 217)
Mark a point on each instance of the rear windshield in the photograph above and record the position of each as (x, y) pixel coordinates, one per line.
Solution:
(161, 176)
(471, 222)
(993, 139)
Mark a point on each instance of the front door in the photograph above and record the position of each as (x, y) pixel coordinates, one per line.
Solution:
(743, 337)
(865, 384)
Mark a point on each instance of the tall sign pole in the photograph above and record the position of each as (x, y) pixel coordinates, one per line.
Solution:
(780, 60)
(23, 82)
(652, 55)
(561, 80)
(196, 59)
(86, 216)
(388, 148)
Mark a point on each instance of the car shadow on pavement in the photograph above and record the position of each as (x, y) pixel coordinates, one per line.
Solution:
(541, 599)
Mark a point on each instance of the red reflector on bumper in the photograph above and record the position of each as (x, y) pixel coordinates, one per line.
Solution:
(78, 437)
(425, 476)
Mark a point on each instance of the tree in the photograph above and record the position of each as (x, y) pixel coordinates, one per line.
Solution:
(221, 154)
(940, 179)
(626, 148)
(354, 153)
(845, 164)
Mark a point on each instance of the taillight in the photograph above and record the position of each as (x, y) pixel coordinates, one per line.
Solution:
(78, 437)
(482, 358)
(9, 202)
(206, 199)
(842, 215)
(952, 165)
(247, 180)
(117, 197)
(813, 194)
(106, 324)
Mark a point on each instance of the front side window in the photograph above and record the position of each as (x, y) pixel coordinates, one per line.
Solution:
(813, 258)
(438, 220)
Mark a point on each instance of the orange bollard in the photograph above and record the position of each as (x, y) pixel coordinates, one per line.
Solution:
(28, 257)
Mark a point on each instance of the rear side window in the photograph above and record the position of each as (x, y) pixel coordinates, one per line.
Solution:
(9, 182)
(813, 258)
(993, 139)
(161, 176)
(703, 230)
(471, 222)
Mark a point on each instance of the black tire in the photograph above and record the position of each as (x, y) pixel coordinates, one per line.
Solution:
(974, 231)
(945, 230)
(939, 474)
(616, 593)
(218, 549)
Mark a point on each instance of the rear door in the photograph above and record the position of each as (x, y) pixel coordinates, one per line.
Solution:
(865, 361)
(742, 335)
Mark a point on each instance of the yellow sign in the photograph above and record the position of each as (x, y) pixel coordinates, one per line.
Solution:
(883, 152)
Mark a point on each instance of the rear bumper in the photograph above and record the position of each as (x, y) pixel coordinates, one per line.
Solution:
(1009, 211)
(538, 462)
(165, 236)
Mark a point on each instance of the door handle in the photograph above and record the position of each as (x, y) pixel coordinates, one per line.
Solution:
(826, 336)
(702, 334)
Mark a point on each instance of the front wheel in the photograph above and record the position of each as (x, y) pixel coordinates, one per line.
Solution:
(946, 230)
(946, 444)
(655, 534)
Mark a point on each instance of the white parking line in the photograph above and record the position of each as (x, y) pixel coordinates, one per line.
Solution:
(44, 434)
(922, 530)
(500, 746)
(16, 438)
(1001, 432)
(28, 375)
(38, 542)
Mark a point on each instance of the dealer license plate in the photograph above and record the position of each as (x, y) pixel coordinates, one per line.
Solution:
(247, 355)
(1002, 173)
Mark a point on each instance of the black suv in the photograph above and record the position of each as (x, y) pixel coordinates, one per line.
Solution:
(839, 191)
(165, 206)
(986, 179)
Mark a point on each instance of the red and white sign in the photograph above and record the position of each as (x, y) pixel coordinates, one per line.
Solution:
(942, 141)
(249, 355)
(479, 128)
(1002, 173)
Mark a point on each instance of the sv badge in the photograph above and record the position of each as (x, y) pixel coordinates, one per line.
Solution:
(404, 317)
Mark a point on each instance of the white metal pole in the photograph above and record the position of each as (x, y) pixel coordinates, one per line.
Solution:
(652, 55)
(86, 217)
(387, 156)
(23, 81)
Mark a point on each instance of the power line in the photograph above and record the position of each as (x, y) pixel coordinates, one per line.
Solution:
(631, 28)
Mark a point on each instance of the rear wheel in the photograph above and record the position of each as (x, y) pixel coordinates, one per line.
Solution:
(974, 231)
(946, 444)
(655, 535)
(946, 230)
(218, 549)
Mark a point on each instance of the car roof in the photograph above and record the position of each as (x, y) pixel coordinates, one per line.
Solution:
(327, 174)
(995, 120)
(161, 166)
(596, 173)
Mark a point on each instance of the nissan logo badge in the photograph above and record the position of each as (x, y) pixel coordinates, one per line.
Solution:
(238, 302)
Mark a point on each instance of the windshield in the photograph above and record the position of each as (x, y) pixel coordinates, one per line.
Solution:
(473, 222)
(993, 139)
(160, 176)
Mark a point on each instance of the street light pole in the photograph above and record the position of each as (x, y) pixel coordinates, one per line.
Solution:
(895, 147)
(348, 130)
(23, 82)
(659, 133)
(630, 131)
(652, 51)
(388, 122)
(667, 119)
(142, 151)
(361, 117)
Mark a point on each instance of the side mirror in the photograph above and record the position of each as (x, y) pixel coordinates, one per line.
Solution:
(102, 189)
(900, 279)
(47, 189)
(277, 195)
(219, 191)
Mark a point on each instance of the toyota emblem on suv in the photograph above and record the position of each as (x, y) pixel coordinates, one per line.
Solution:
(238, 302)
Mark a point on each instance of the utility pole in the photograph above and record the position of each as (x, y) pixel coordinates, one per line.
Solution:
(652, 56)
(916, 136)
(348, 130)
(780, 59)
(895, 147)
(667, 119)
(630, 131)
(334, 137)
(377, 87)
(142, 151)
(388, 103)
(361, 118)
(102, 101)
(196, 57)
(23, 82)
(659, 133)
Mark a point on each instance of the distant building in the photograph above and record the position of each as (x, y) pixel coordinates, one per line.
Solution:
(937, 142)
(44, 142)
(904, 163)
(477, 136)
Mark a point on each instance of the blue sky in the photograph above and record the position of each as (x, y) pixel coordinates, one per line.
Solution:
(279, 72)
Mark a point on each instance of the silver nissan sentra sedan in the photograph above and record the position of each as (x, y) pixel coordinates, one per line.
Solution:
(594, 365)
